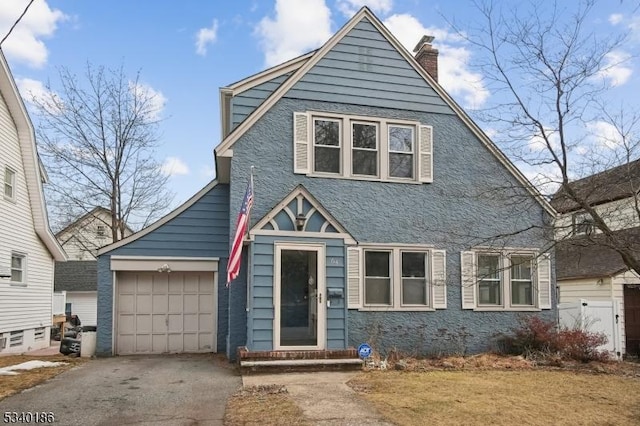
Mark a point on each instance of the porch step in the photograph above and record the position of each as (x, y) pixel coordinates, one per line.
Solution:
(285, 361)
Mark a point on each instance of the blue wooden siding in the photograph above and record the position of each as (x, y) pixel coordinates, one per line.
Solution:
(365, 69)
(261, 309)
(245, 103)
(202, 230)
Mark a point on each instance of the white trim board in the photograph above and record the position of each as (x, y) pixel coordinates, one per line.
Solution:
(175, 264)
(223, 150)
(157, 224)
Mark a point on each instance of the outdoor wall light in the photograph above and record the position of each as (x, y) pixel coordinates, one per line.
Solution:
(300, 221)
(164, 268)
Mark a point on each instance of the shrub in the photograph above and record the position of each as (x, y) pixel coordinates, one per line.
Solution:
(535, 337)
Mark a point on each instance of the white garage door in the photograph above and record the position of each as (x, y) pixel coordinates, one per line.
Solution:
(165, 312)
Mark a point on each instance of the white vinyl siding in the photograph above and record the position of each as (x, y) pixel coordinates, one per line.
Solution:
(30, 307)
(398, 278)
(392, 151)
(516, 280)
(84, 305)
(619, 214)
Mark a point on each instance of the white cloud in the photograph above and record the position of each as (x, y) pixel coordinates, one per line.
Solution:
(616, 18)
(205, 37)
(173, 166)
(604, 134)
(537, 143)
(25, 44)
(350, 7)
(34, 91)
(616, 68)
(298, 26)
(453, 61)
(156, 99)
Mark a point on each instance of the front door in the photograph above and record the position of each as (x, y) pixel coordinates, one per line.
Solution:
(632, 318)
(299, 295)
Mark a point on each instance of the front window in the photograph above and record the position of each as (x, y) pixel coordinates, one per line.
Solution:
(365, 149)
(326, 143)
(521, 280)
(414, 278)
(401, 151)
(489, 287)
(9, 183)
(377, 280)
(17, 268)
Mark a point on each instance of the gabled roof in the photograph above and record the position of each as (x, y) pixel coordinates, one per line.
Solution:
(76, 275)
(157, 224)
(92, 213)
(30, 160)
(610, 185)
(591, 257)
(224, 151)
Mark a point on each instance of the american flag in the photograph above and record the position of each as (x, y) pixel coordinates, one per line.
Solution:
(233, 267)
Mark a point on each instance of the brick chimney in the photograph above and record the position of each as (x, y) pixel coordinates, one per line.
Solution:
(427, 56)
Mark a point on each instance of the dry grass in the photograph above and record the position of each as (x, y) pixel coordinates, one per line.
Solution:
(263, 405)
(502, 397)
(10, 385)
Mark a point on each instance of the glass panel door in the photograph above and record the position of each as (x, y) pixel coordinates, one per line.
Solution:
(298, 298)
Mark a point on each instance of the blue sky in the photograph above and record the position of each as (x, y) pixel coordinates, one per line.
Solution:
(187, 50)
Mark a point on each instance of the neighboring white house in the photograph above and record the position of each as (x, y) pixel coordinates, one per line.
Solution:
(82, 238)
(77, 278)
(586, 265)
(28, 249)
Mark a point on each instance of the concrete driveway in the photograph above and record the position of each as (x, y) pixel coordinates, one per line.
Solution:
(153, 390)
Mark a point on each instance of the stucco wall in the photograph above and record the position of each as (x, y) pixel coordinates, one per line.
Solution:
(472, 200)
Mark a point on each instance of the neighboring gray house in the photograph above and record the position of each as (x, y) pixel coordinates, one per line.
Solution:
(382, 213)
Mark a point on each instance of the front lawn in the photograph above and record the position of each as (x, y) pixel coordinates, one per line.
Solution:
(482, 397)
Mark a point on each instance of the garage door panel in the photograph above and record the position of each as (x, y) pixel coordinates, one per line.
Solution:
(144, 303)
(127, 303)
(160, 313)
(160, 303)
(205, 323)
(205, 302)
(175, 303)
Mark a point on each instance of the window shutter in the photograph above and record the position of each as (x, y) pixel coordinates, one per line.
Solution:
(544, 281)
(439, 278)
(425, 154)
(354, 277)
(468, 281)
(300, 143)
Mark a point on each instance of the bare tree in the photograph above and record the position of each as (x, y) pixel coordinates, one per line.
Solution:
(97, 137)
(551, 75)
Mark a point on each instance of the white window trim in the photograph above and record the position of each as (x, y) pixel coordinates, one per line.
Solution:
(378, 149)
(501, 279)
(396, 278)
(340, 147)
(414, 170)
(505, 279)
(12, 184)
(346, 169)
(22, 283)
(582, 219)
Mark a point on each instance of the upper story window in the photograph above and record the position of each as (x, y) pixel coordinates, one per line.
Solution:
(9, 184)
(101, 231)
(505, 280)
(364, 148)
(582, 224)
(18, 268)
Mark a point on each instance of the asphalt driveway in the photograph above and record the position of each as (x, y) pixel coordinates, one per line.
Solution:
(153, 390)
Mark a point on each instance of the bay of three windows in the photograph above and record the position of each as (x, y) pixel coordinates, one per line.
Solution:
(363, 148)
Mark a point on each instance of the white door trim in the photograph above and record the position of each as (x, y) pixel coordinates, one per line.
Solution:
(321, 290)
